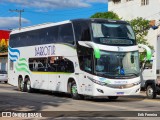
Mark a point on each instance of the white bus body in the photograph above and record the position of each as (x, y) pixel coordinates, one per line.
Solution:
(33, 62)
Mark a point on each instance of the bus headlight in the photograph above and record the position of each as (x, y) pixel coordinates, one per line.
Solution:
(137, 83)
(97, 81)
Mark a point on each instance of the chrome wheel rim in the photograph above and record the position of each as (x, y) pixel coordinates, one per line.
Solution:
(28, 85)
(150, 92)
(21, 85)
(74, 89)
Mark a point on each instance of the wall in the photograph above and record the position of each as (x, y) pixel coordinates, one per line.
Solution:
(133, 9)
(4, 37)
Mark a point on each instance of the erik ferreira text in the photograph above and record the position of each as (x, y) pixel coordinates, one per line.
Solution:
(147, 114)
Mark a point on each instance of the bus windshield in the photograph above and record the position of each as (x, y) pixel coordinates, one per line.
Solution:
(113, 34)
(117, 64)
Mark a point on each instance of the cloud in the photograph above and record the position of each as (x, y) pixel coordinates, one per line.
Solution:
(54, 4)
(11, 22)
(49, 4)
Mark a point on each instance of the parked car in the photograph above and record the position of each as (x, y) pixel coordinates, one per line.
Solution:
(3, 76)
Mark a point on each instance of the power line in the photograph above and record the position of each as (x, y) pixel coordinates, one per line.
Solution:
(20, 12)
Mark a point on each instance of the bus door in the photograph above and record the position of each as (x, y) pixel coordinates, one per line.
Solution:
(86, 65)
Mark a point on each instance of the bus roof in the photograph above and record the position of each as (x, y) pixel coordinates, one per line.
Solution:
(44, 25)
(101, 20)
(39, 26)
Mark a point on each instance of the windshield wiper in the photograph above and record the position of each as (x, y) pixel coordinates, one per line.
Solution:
(135, 74)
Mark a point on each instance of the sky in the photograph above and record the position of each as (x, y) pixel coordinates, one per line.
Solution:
(43, 11)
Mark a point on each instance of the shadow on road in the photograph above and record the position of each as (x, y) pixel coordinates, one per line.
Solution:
(120, 99)
(13, 99)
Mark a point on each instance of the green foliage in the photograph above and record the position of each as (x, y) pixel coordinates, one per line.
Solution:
(141, 27)
(3, 49)
(106, 15)
(116, 1)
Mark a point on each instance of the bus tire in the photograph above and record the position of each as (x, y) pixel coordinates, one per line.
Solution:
(112, 97)
(151, 92)
(28, 86)
(19, 82)
(21, 85)
(74, 92)
(6, 82)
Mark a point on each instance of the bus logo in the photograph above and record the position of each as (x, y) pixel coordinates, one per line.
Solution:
(120, 49)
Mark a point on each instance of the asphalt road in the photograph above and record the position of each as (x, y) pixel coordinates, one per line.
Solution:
(60, 105)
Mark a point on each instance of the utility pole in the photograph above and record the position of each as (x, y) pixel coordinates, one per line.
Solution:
(20, 12)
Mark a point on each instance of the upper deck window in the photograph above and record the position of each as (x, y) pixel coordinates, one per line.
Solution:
(113, 34)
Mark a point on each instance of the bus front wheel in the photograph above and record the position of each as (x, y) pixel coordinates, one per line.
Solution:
(74, 91)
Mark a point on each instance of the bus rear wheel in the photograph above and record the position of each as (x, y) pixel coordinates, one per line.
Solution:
(112, 97)
(74, 92)
(28, 87)
(21, 85)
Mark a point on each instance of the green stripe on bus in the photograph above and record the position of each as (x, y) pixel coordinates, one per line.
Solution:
(22, 59)
(22, 65)
(22, 69)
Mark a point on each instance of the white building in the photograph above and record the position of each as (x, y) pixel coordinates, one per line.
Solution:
(129, 9)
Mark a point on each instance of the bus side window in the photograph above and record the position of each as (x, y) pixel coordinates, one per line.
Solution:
(69, 66)
(86, 63)
(52, 64)
(85, 36)
(52, 34)
(64, 65)
(82, 31)
(66, 34)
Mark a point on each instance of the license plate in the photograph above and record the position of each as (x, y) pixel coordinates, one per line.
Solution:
(120, 93)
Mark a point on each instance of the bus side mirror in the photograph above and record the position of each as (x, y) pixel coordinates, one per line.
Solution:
(148, 51)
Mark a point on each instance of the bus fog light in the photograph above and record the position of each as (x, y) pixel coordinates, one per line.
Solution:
(99, 90)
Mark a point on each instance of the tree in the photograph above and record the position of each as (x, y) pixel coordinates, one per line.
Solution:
(116, 1)
(3, 49)
(106, 15)
(141, 27)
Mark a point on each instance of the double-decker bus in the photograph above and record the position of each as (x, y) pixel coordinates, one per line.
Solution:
(82, 57)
